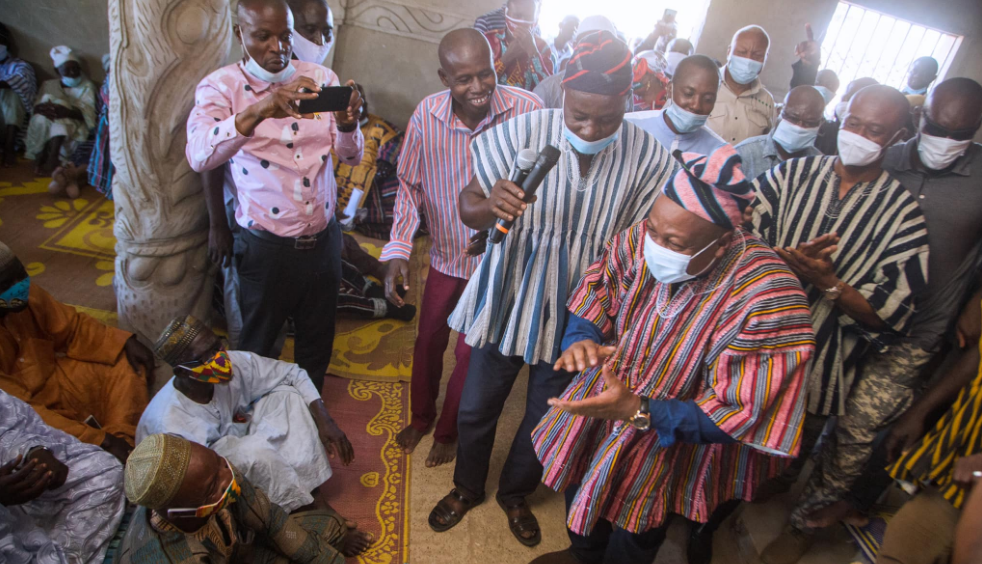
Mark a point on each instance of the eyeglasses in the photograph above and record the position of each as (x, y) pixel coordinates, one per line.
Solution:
(210, 509)
(932, 128)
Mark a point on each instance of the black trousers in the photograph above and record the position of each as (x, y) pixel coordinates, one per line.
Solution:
(277, 281)
(609, 544)
(490, 377)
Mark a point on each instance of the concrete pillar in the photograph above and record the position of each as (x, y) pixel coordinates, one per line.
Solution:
(160, 50)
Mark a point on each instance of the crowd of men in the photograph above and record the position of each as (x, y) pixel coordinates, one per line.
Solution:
(707, 288)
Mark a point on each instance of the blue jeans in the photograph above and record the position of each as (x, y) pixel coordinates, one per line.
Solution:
(490, 378)
(609, 544)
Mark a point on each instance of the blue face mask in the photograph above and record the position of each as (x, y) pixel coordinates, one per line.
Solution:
(794, 138)
(827, 94)
(71, 82)
(15, 297)
(253, 68)
(683, 120)
(584, 147)
(743, 70)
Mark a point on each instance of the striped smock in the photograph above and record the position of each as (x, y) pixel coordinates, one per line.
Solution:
(882, 253)
(736, 341)
(517, 296)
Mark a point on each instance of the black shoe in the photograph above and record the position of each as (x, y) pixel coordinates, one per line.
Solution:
(699, 549)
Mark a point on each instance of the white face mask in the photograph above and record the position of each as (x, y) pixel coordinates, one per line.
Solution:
(668, 266)
(254, 68)
(310, 52)
(673, 59)
(840, 110)
(937, 153)
(856, 150)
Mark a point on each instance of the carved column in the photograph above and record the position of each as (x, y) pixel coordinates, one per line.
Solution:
(160, 50)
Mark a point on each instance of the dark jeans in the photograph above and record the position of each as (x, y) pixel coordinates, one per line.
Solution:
(277, 281)
(490, 378)
(608, 544)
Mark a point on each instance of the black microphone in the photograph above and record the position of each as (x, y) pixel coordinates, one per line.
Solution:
(544, 163)
(523, 165)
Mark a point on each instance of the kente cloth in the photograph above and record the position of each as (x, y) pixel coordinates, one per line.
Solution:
(931, 462)
(100, 167)
(41, 129)
(712, 187)
(525, 72)
(253, 529)
(601, 64)
(882, 253)
(517, 297)
(736, 341)
(374, 176)
(71, 523)
(259, 421)
(68, 366)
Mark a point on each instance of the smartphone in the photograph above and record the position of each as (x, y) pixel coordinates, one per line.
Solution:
(330, 99)
(91, 422)
(669, 15)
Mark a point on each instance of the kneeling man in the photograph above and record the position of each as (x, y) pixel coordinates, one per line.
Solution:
(264, 415)
(706, 336)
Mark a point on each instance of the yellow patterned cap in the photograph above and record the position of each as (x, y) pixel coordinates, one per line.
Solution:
(177, 338)
(155, 470)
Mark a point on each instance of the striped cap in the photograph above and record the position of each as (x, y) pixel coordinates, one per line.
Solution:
(601, 64)
(712, 187)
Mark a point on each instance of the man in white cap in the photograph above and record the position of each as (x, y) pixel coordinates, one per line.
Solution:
(551, 88)
(63, 115)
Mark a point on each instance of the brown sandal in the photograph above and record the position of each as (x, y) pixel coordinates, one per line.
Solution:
(448, 514)
(524, 522)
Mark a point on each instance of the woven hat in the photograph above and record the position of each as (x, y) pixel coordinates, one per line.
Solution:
(176, 339)
(155, 470)
(712, 187)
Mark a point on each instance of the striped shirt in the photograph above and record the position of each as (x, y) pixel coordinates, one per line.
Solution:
(19, 74)
(736, 342)
(517, 296)
(434, 167)
(957, 435)
(882, 253)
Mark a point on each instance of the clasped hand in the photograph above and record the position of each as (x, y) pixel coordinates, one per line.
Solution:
(812, 261)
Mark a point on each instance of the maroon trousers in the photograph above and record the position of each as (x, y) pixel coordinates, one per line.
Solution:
(439, 300)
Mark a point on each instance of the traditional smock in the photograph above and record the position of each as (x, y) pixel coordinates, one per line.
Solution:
(41, 129)
(260, 421)
(735, 342)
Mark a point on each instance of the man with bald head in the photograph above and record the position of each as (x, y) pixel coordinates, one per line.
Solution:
(794, 136)
(196, 507)
(744, 108)
(434, 167)
(922, 73)
(858, 241)
(288, 250)
(678, 49)
(828, 133)
(936, 168)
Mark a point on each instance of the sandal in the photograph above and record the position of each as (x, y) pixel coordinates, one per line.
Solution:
(446, 512)
(524, 522)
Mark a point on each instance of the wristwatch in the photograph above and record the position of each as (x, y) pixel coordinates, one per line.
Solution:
(833, 293)
(642, 419)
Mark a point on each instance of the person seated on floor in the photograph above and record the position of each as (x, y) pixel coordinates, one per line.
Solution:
(375, 176)
(682, 124)
(521, 58)
(18, 87)
(90, 162)
(650, 81)
(196, 507)
(81, 376)
(64, 112)
(794, 136)
(60, 499)
(670, 331)
(263, 414)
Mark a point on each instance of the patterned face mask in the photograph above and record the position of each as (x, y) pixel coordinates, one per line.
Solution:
(231, 495)
(217, 370)
(15, 297)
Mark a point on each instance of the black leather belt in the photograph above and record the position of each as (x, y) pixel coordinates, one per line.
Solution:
(303, 243)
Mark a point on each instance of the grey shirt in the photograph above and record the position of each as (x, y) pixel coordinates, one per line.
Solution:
(952, 205)
(760, 154)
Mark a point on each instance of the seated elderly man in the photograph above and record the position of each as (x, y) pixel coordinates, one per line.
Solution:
(196, 507)
(17, 88)
(692, 313)
(682, 125)
(794, 136)
(60, 499)
(82, 377)
(264, 415)
(64, 113)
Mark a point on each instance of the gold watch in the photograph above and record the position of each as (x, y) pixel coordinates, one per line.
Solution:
(642, 419)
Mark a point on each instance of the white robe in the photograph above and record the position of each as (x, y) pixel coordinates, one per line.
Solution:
(41, 129)
(71, 524)
(277, 445)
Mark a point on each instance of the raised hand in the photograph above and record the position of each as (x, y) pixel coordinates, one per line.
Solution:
(809, 50)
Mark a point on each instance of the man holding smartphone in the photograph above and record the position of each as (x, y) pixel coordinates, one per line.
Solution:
(288, 252)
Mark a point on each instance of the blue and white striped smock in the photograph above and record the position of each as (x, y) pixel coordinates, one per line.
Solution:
(517, 296)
